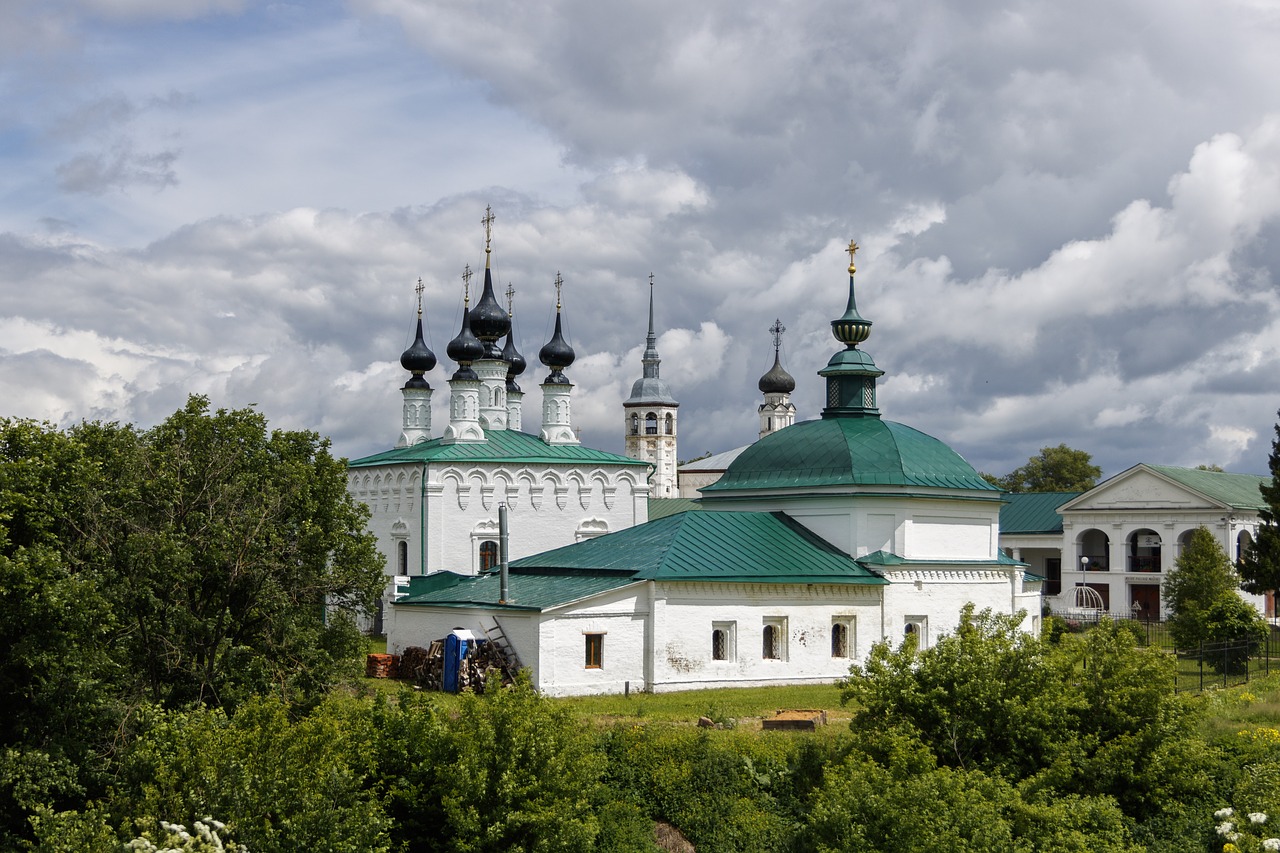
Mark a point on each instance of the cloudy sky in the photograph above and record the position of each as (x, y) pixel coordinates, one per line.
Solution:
(1069, 213)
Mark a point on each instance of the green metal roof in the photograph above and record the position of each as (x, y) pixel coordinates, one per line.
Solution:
(748, 547)
(500, 445)
(848, 451)
(757, 547)
(662, 507)
(1239, 491)
(525, 590)
(1034, 512)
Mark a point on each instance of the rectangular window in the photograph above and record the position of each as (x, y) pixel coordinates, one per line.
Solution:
(1053, 576)
(773, 638)
(844, 637)
(724, 641)
(595, 651)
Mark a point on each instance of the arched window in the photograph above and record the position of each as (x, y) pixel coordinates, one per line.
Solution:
(769, 644)
(916, 627)
(671, 424)
(1144, 551)
(488, 555)
(1095, 551)
(1243, 543)
(723, 641)
(650, 424)
(839, 640)
(635, 424)
(402, 557)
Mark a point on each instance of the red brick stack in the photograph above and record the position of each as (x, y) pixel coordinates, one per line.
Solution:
(382, 666)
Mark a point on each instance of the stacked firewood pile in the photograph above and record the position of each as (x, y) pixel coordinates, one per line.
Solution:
(381, 666)
(424, 667)
(483, 667)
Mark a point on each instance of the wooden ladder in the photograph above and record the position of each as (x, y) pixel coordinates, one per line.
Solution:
(506, 653)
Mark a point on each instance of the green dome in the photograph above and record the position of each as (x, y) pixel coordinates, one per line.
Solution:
(845, 451)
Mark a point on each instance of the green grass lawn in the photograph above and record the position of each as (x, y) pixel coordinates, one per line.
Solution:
(1252, 705)
(737, 703)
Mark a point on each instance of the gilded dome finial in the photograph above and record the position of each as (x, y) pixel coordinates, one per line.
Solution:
(466, 285)
(559, 284)
(851, 329)
(421, 287)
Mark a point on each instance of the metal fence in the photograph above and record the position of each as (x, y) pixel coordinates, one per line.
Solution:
(1211, 664)
(1226, 664)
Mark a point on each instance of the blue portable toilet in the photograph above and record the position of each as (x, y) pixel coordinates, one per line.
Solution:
(456, 646)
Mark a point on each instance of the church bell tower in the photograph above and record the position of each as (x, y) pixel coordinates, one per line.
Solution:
(649, 419)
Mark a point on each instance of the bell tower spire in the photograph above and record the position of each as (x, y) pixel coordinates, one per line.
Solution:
(649, 418)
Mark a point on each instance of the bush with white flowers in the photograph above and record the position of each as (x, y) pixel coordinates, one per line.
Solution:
(205, 839)
(1244, 837)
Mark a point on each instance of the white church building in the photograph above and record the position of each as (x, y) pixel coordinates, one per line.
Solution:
(434, 498)
(819, 540)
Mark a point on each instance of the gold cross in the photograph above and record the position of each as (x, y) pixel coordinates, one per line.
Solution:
(559, 284)
(511, 292)
(852, 250)
(420, 288)
(466, 285)
(777, 329)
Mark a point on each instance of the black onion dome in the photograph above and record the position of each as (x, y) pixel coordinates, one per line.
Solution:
(777, 380)
(557, 355)
(515, 361)
(488, 320)
(418, 359)
(464, 349)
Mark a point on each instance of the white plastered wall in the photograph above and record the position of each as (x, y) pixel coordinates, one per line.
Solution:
(685, 614)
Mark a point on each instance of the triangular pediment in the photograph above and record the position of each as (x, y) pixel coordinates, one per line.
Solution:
(1141, 488)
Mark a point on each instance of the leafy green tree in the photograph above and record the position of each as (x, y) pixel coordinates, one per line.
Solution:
(1055, 469)
(234, 556)
(1261, 565)
(725, 790)
(280, 783)
(60, 708)
(1091, 716)
(981, 697)
(506, 771)
(1202, 593)
(204, 560)
(864, 806)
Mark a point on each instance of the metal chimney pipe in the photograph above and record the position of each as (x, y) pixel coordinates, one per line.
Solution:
(503, 535)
